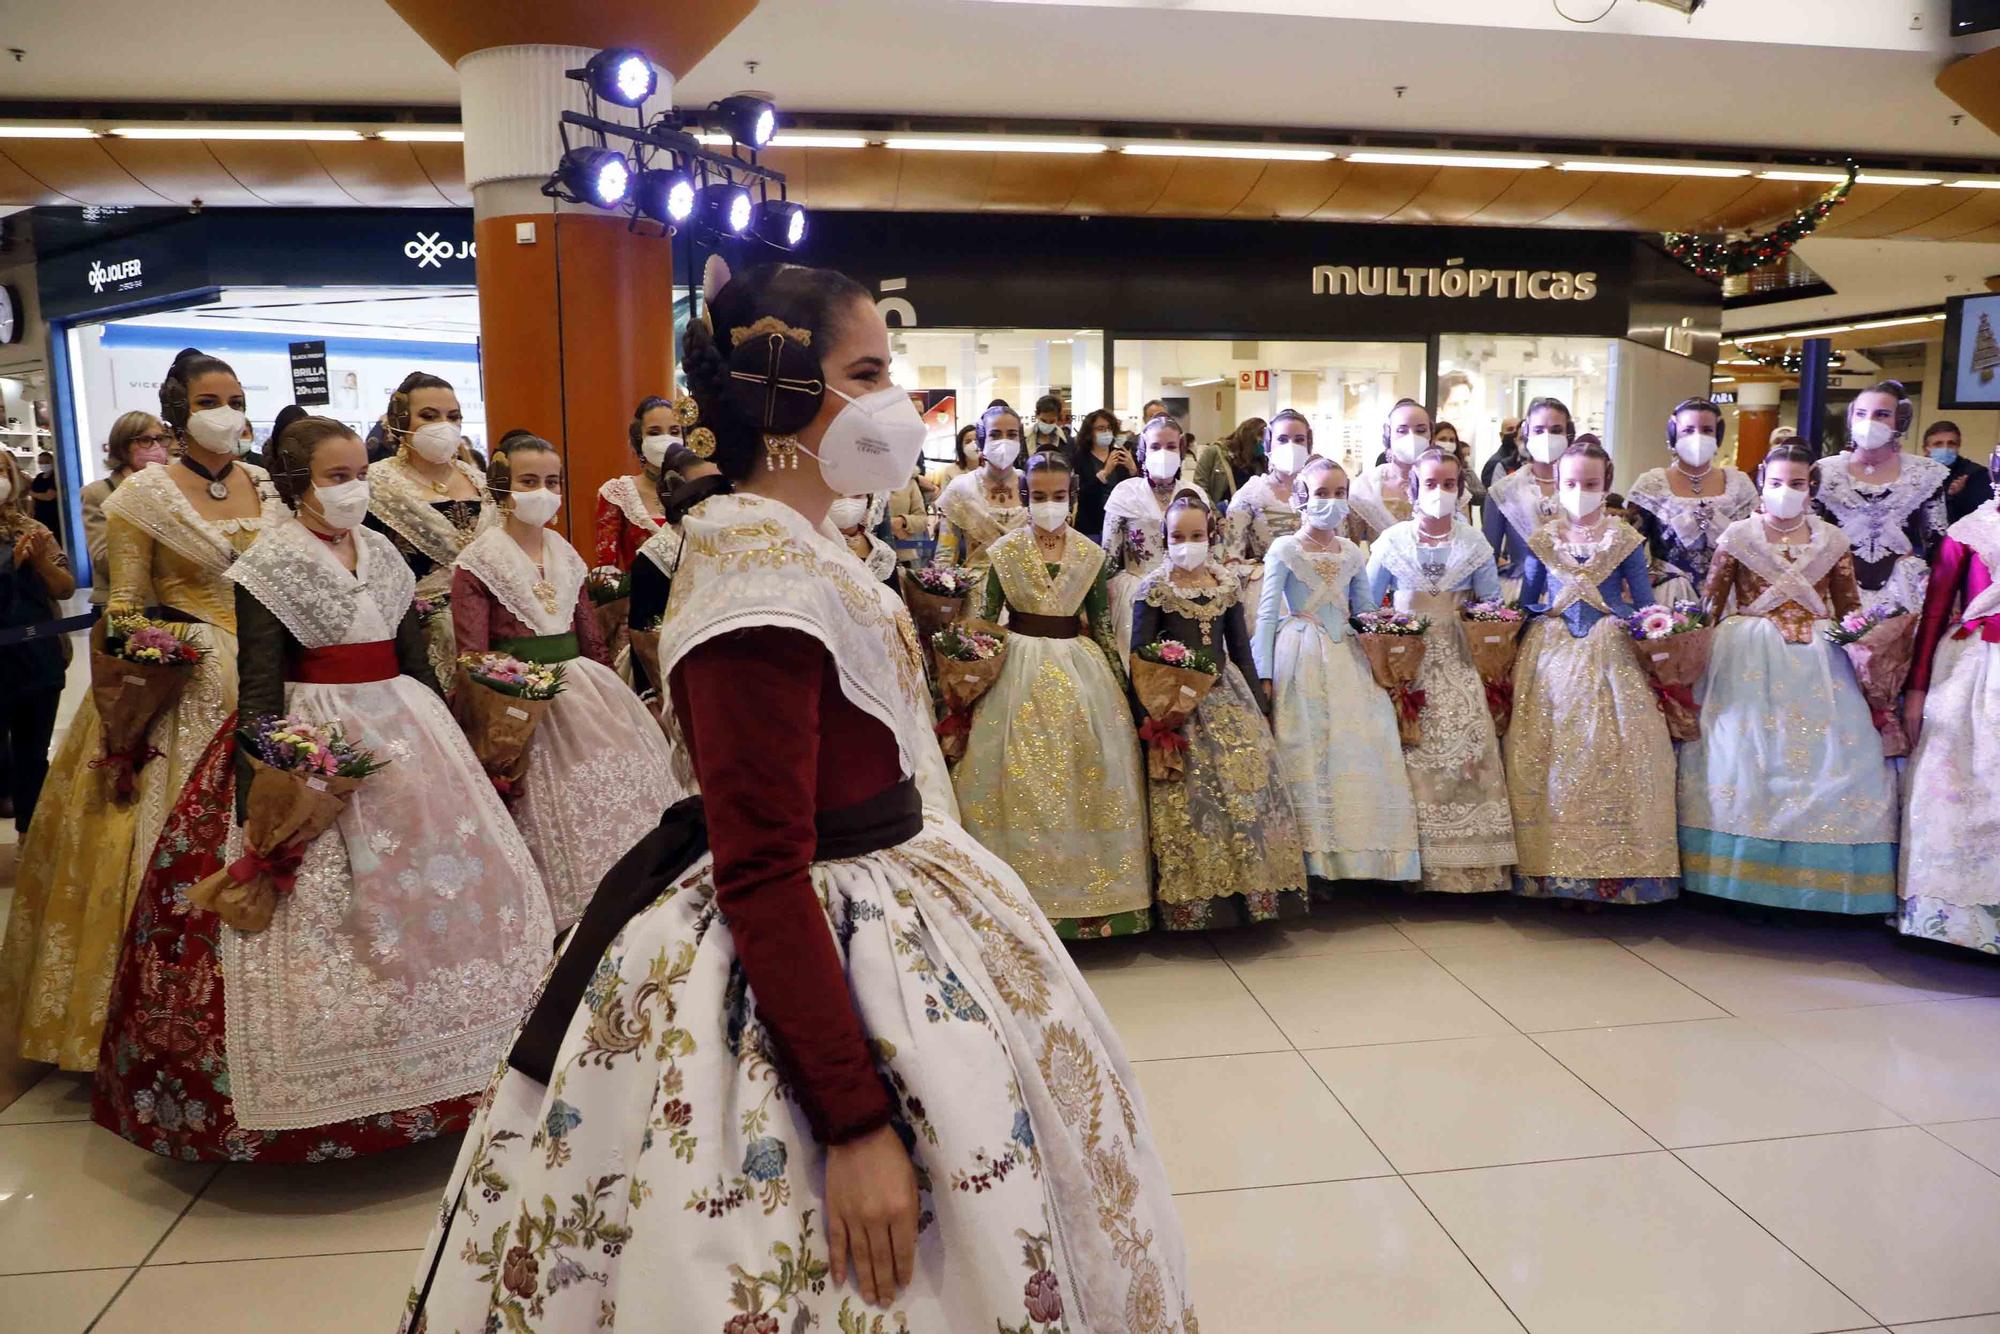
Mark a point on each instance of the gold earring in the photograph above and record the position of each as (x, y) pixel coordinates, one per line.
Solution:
(781, 452)
(701, 442)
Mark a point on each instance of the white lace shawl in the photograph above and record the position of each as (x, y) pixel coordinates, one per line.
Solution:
(1980, 530)
(1872, 516)
(1367, 499)
(150, 502)
(1654, 493)
(664, 549)
(1257, 511)
(1311, 567)
(1789, 581)
(402, 500)
(302, 583)
(964, 505)
(1519, 498)
(510, 576)
(623, 492)
(751, 561)
(1396, 550)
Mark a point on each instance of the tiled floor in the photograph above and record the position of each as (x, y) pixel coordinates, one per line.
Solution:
(1412, 1116)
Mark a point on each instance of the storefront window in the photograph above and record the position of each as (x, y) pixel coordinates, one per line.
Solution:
(1485, 379)
(1344, 388)
(959, 371)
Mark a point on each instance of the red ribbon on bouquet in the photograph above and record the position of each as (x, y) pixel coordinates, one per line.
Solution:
(1499, 698)
(282, 866)
(1155, 733)
(956, 723)
(126, 766)
(1409, 702)
(1678, 694)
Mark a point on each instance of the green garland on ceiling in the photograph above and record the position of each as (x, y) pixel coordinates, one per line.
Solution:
(1719, 259)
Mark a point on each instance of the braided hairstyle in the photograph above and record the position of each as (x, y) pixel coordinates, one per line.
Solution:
(1796, 450)
(1587, 446)
(1162, 422)
(500, 468)
(289, 454)
(1187, 498)
(1045, 460)
(190, 364)
(1906, 411)
(732, 384)
(1302, 482)
(398, 415)
(1440, 454)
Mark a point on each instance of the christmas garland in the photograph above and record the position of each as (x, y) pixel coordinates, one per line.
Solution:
(1717, 259)
(1788, 361)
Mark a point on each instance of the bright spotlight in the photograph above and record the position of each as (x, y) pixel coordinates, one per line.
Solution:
(597, 176)
(725, 208)
(780, 223)
(748, 121)
(621, 75)
(664, 196)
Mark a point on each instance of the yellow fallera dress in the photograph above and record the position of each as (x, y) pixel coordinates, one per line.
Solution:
(84, 853)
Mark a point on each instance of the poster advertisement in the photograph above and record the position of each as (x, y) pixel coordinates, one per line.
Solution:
(1971, 353)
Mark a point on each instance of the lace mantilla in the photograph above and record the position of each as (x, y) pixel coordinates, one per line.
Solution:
(510, 576)
(404, 501)
(1789, 581)
(1024, 575)
(1694, 520)
(1258, 517)
(965, 506)
(150, 501)
(300, 581)
(1398, 549)
(1874, 516)
(1519, 497)
(1198, 604)
(624, 493)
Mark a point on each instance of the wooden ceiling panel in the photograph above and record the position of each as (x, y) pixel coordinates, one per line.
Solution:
(445, 165)
(1703, 197)
(944, 181)
(82, 170)
(856, 178)
(284, 175)
(379, 174)
(19, 185)
(1530, 199)
(1206, 188)
(1292, 189)
(1609, 200)
(1028, 183)
(1453, 196)
(1372, 192)
(1120, 185)
(183, 170)
(1980, 212)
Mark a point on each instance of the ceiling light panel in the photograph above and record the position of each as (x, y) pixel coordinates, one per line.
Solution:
(1447, 160)
(1653, 168)
(1241, 152)
(296, 133)
(996, 144)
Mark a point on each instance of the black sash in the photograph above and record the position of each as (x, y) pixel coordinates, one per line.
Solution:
(641, 876)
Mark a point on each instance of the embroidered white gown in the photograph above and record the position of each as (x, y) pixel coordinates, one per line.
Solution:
(398, 967)
(666, 1171)
(599, 772)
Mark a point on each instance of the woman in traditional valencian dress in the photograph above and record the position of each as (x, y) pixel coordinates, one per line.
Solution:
(1337, 739)
(371, 1011)
(630, 508)
(1785, 799)
(426, 499)
(1588, 752)
(1225, 838)
(1951, 820)
(598, 768)
(1051, 779)
(1890, 504)
(1429, 565)
(1521, 502)
(809, 1012)
(172, 533)
(1261, 511)
(1135, 515)
(982, 504)
(1682, 509)
(1380, 496)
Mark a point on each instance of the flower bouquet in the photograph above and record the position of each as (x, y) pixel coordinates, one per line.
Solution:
(1394, 643)
(1880, 642)
(301, 776)
(1673, 644)
(499, 701)
(429, 608)
(1171, 680)
(1493, 635)
(137, 667)
(968, 663)
(610, 590)
(936, 595)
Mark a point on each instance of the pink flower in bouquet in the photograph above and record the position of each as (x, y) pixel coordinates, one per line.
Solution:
(1656, 623)
(1173, 652)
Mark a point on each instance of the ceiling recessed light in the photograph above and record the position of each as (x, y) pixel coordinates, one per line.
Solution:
(997, 144)
(46, 132)
(1244, 152)
(1970, 183)
(1869, 178)
(1791, 175)
(423, 136)
(1447, 160)
(1653, 168)
(791, 139)
(300, 133)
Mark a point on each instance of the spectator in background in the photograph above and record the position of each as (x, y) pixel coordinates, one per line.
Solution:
(47, 505)
(34, 580)
(1050, 434)
(138, 440)
(1445, 436)
(1507, 458)
(1969, 485)
(1222, 466)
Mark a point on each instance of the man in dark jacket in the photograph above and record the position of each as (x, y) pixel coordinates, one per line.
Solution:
(1507, 458)
(1970, 485)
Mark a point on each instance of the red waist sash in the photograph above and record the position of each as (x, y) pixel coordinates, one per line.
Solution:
(346, 664)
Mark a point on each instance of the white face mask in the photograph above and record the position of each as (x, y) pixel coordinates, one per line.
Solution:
(1695, 450)
(654, 448)
(1104, 439)
(1548, 447)
(872, 443)
(1782, 502)
(1049, 515)
(848, 512)
(1325, 513)
(1002, 453)
(1046, 428)
(1288, 458)
(219, 430)
(1188, 555)
(1581, 504)
(536, 508)
(436, 442)
(1871, 434)
(1162, 464)
(1408, 447)
(1437, 504)
(344, 505)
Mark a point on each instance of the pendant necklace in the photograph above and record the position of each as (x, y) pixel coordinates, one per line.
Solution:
(218, 482)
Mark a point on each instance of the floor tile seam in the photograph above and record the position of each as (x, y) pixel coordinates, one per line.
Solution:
(1391, 1175)
(1215, 1055)
(1459, 1246)
(194, 1197)
(1615, 1109)
(1826, 1067)
(263, 1259)
(1859, 1305)
(1928, 1130)
(1455, 979)
(46, 1121)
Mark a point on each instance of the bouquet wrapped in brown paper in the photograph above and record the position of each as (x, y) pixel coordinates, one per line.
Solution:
(968, 662)
(1673, 644)
(1880, 642)
(499, 701)
(1394, 643)
(936, 596)
(138, 666)
(1171, 680)
(610, 591)
(1493, 637)
(302, 774)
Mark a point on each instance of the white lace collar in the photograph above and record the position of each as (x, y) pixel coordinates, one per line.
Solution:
(1311, 565)
(1879, 505)
(301, 581)
(1135, 501)
(624, 493)
(511, 577)
(1398, 549)
(1748, 543)
(406, 503)
(150, 501)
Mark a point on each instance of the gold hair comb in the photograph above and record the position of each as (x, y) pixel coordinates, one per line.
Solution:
(770, 324)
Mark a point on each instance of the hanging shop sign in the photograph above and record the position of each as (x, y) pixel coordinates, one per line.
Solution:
(1453, 281)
